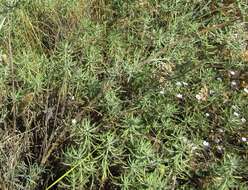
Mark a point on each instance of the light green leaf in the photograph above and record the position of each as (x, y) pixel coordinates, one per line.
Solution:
(2, 23)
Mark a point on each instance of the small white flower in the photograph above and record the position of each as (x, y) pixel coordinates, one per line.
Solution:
(217, 140)
(185, 140)
(74, 121)
(161, 92)
(246, 90)
(235, 107)
(244, 139)
(185, 84)
(198, 97)
(194, 147)
(221, 130)
(243, 120)
(233, 83)
(232, 72)
(236, 114)
(219, 79)
(219, 148)
(206, 144)
(72, 98)
(179, 84)
(180, 96)
(211, 92)
(207, 114)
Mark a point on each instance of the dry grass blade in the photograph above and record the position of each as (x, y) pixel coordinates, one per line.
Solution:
(2, 23)
(60, 139)
(12, 76)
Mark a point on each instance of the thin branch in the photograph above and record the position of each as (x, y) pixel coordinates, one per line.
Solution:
(12, 76)
(217, 26)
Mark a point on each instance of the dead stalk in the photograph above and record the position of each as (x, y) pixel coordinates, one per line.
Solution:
(12, 76)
